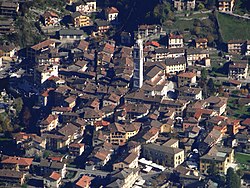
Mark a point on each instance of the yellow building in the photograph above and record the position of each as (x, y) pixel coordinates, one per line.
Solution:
(80, 19)
(220, 156)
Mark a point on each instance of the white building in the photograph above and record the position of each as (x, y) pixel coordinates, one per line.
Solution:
(138, 63)
(112, 14)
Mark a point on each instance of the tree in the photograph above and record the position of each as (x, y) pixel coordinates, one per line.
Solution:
(210, 85)
(201, 6)
(232, 179)
(18, 104)
(203, 74)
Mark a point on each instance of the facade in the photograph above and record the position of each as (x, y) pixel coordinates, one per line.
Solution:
(164, 155)
(186, 78)
(71, 34)
(81, 19)
(112, 14)
(238, 70)
(138, 64)
(236, 46)
(196, 56)
(50, 18)
(181, 5)
(44, 72)
(8, 8)
(226, 5)
(175, 41)
(88, 7)
(220, 156)
(201, 43)
(176, 65)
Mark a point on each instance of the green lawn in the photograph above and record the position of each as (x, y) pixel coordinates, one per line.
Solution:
(233, 28)
(242, 158)
(236, 110)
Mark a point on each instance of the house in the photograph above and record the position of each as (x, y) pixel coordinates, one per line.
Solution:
(220, 156)
(76, 149)
(49, 123)
(247, 48)
(88, 6)
(181, 5)
(226, 5)
(129, 160)
(160, 54)
(44, 72)
(236, 46)
(111, 99)
(119, 134)
(8, 8)
(189, 93)
(197, 55)
(148, 30)
(7, 26)
(53, 181)
(201, 43)
(102, 26)
(238, 69)
(80, 19)
(124, 178)
(12, 177)
(218, 104)
(47, 167)
(16, 163)
(163, 155)
(151, 135)
(83, 182)
(175, 41)
(125, 38)
(8, 51)
(186, 78)
(71, 34)
(176, 65)
(50, 18)
(111, 14)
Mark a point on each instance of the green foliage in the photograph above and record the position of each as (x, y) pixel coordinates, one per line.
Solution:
(163, 12)
(46, 154)
(203, 74)
(232, 179)
(201, 6)
(5, 123)
(18, 104)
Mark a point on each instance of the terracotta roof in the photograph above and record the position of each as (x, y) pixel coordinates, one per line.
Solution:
(43, 44)
(173, 36)
(18, 160)
(49, 119)
(84, 181)
(55, 176)
(246, 122)
(199, 40)
(187, 74)
(235, 82)
(112, 10)
(76, 145)
(153, 43)
(50, 14)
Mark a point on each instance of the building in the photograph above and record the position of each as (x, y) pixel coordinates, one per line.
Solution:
(44, 72)
(201, 43)
(7, 26)
(197, 55)
(138, 63)
(186, 78)
(112, 14)
(83, 182)
(181, 5)
(148, 30)
(218, 104)
(16, 163)
(247, 48)
(53, 181)
(238, 70)
(226, 5)
(220, 156)
(189, 93)
(236, 46)
(50, 18)
(124, 178)
(9, 8)
(81, 19)
(176, 65)
(175, 41)
(71, 34)
(127, 161)
(163, 53)
(102, 26)
(163, 155)
(12, 177)
(49, 123)
(88, 6)
(76, 149)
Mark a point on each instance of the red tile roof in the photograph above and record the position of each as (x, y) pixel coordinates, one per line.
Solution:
(18, 160)
(112, 10)
(84, 181)
(55, 176)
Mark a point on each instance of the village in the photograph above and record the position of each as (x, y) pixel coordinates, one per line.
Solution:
(147, 108)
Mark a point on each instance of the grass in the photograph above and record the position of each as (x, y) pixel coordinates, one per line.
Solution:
(243, 160)
(236, 110)
(233, 28)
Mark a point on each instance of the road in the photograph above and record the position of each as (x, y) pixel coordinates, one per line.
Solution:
(237, 15)
(226, 79)
(80, 172)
